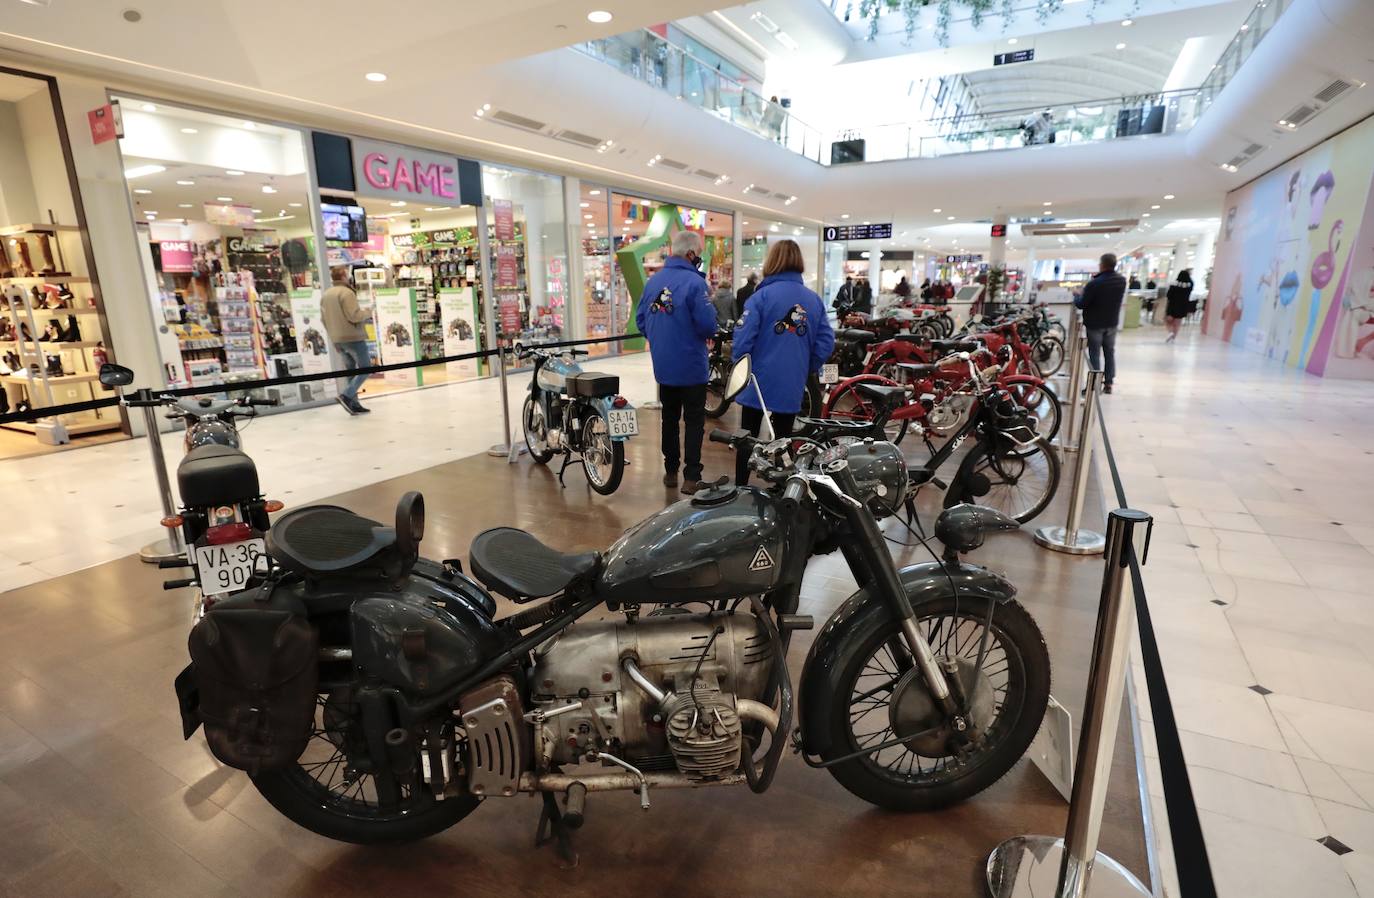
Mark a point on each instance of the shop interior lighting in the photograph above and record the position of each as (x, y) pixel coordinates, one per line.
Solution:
(225, 199)
(232, 171)
(937, 211)
(1155, 206)
(845, 216)
(250, 126)
(148, 107)
(298, 205)
(479, 113)
(186, 205)
(950, 218)
(583, 205)
(629, 221)
(765, 23)
(186, 183)
(773, 227)
(257, 211)
(399, 203)
(268, 188)
(1011, 41)
(139, 171)
(1144, 215)
(142, 190)
(1121, 46)
(599, 17)
(1127, 23)
(375, 76)
(1048, 203)
(189, 131)
(787, 40)
(1168, 196)
(594, 193)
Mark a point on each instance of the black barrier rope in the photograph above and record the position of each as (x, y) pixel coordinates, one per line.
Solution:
(241, 386)
(1185, 829)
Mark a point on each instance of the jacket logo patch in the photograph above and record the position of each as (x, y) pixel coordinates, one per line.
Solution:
(663, 302)
(793, 322)
(762, 560)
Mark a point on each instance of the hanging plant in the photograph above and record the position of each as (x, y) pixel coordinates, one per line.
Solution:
(943, 18)
(1008, 13)
(1046, 8)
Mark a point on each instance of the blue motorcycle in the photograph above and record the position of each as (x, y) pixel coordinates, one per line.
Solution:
(574, 412)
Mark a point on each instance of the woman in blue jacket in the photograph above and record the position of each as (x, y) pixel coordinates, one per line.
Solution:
(787, 333)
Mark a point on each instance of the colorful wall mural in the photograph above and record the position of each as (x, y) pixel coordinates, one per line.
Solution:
(1294, 263)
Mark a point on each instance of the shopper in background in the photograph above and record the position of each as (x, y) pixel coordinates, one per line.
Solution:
(343, 321)
(903, 288)
(926, 291)
(844, 297)
(676, 316)
(773, 118)
(1135, 283)
(724, 301)
(863, 297)
(787, 335)
(1100, 302)
(1179, 307)
(750, 285)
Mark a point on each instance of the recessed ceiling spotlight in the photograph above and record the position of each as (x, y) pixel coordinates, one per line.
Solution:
(1121, 46)
(298, 205)
(1127, 23)
(599, 17)
(937, 211)
(186, 205)
(148, 107)
(950, 218)
(186, 183)
(225, 199)
(189, 131)
(1155, 206)
(594, 193)
(845, 216)
(866, 222)
(257, 211)
(1144, 215)
(399, 203)
(1168, 196)
(1291, 126)
(1012, 41)
(629, 221)
(251, 126)
(232, 171)
(268, 188)
(1050, 203)
(375, 76)
(143, 190)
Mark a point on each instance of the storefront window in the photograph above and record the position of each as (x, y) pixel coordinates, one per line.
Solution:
(224, 212)
(757, 235)
(529, 255)
(53, 336)
(598, 266)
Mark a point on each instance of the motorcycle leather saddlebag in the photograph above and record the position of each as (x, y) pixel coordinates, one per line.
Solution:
(592, 384)
(254, 660)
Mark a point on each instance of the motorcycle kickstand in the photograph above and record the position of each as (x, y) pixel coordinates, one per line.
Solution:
(567, 460)
(551, 828)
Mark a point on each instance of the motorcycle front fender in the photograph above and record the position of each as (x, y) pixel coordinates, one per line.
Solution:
(602, 405)
(820, 679)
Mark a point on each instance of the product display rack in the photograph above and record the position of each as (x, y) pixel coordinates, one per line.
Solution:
(33, 383)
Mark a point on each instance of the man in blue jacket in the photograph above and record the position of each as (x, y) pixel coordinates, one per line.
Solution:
(1101, 305)
(677, 317)
(787, 335)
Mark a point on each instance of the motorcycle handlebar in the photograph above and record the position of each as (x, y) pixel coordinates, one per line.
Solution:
(253, 401)
(722, 436)
(792, 495)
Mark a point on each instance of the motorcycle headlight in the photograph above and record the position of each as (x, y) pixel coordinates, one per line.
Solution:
(880, 470)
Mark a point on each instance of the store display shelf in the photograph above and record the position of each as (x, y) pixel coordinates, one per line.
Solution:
(15, 230)
(46, 279)
(62, 344)
(72, 429)
(23, 379)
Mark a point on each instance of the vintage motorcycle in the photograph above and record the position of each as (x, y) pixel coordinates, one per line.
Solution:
(570, 411)
(373, 696)
(223, 516)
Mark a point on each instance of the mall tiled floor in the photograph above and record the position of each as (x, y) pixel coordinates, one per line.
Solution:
(1259, 581)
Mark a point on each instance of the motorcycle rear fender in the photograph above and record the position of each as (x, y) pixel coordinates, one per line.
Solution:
(603, 406)
(1029, 380)
(928, 582)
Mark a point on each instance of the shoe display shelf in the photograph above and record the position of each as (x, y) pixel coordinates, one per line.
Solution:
(36, 370)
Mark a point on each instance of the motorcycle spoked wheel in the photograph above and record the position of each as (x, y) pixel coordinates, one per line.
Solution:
(1020, 483)
(1048, 352)
(1044, 407)
(603, 459)
(716, 403)
(848, 405)
(321, 794)
(880, 697)
(536, 429)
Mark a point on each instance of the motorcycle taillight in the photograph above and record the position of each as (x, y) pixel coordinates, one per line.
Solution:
(620, 402)
(228, 533)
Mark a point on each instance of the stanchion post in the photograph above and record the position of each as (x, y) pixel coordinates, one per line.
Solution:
(1069, 402)
(171, 547)
(1026, 866)
(1072, 538)
(507, 447)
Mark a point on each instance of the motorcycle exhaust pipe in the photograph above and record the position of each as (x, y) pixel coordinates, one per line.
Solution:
(744, 707)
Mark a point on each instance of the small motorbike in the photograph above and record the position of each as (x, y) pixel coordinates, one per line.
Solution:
(223, 515)
(574, 412)
(374, 696)
(719, 358)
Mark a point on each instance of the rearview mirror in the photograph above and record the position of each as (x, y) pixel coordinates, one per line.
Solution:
(410, 524)
(739, 378)
(115, 375)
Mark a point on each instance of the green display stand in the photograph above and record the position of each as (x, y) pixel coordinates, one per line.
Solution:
(630, 260)
(1131, 311)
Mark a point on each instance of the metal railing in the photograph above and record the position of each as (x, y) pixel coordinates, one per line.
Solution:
(1252, 31)
(646, 57)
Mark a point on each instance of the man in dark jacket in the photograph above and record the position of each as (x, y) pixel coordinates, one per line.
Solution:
(744, 293)
(676, 316)
(1101, 305)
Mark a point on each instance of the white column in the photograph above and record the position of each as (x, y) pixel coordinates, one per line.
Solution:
(997, 251)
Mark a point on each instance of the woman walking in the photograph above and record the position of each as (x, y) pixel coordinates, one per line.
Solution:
(1178, 306)
(787, 335)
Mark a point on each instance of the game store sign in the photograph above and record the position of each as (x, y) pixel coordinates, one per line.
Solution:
(394, 172)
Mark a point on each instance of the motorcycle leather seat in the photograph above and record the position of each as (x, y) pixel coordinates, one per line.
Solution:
(918, 339)
(882, 394)
(856, 335)
(216, 475)
(593, 383)
(327, 539)
(968, 344)
(914, 369)
(518, 566)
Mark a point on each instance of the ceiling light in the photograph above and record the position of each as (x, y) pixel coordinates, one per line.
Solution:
(257, 211)
(1245, 27)
(1050, 203)
(1144, 215)
(480, 113)
(951, 218)
(189, 131)
(585, 205)
(139, 171)
(1012, 41)
(148, 107)
(647, 203)
(486, 107)
(866, 222)
(186, 183)
(594, 193)
(787, 40)
(1049, 211)
(1127, 23)
(399, 203)
(599, 17)
(375, 76)
(298, 205)
(142, 190)
(937, 211)
(772, 227)
(186, 205)
(1155, 206)
(764, 22)
(150, 214)
(1291, 126)
(1121, 46)
(232, 171)
(629, 221)
(225, 199)
(1168, 196)
(845, 216)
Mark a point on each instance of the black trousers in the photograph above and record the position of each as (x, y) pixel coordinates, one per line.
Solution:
(688, 404)
(751, 419)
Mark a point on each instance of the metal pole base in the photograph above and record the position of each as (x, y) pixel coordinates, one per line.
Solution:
(1026, 866)
(1085, 542)
(162, 550)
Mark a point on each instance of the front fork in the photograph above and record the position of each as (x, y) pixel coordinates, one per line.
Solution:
(870, 551)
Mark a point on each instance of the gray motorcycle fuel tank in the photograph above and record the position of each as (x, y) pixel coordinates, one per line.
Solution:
(721, 544)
